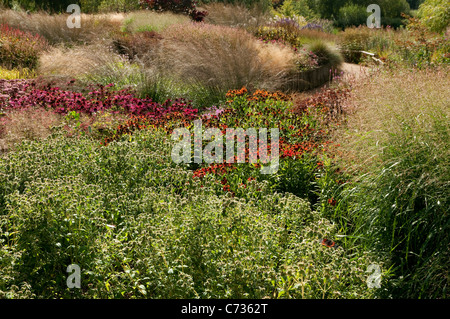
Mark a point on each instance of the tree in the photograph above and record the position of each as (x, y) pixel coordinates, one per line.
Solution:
(352, 15)
(414, 4)
(435, 14)
(328, 8)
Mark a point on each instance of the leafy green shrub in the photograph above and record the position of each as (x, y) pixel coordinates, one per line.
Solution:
(299, 7)
(140, 227)
(118, 5)
(187, 7)
(435, 14)
(352, 15)
(422, 47)
(263, 5)
(354, 40)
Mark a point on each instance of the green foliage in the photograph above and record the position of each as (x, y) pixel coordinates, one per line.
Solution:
(34, 5)
(435, 14)
(327, 55)
(414, 4)
(87, 6)
(118, 5)
(290, 8)
(264, 5)
(140, 227)
(352, 15)
(353, 40)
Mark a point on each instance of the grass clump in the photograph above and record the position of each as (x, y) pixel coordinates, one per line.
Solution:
(139, 21)
(218, 58)
(399, 198)
(326, 54)
(54, 28)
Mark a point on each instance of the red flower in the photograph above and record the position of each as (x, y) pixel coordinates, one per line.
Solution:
(328, 243)
(332, 201)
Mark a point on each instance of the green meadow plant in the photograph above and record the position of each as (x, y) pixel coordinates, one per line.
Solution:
(140, 226)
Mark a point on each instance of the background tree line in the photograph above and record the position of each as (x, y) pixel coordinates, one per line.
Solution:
(435, 13)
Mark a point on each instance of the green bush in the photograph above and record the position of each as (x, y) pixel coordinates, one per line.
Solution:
(262, 4)
(353, 40)
(352, 15)
(435, 14)
(118, 5)
(290, 8)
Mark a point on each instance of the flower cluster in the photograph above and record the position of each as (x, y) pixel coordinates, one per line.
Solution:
(219, 169)
(12, 89)
(288, 23)
(100, 99)
(329, 102)
(313, 26)
(258, 95)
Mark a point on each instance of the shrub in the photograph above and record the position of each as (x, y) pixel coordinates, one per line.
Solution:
(118, 5)
(422, 48)
(279, 34)
(299, 7)
(137, 236)
(16, 74)
(354, 40)
(187, 7)
(183, 6)
(19, 49)
(262, 5)
(352, 15)
(435, 14)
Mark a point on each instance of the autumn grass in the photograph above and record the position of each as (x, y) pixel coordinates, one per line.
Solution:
(235, 15)
(54, 27)
(223, 58)
(396, 149)
(151, 21)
